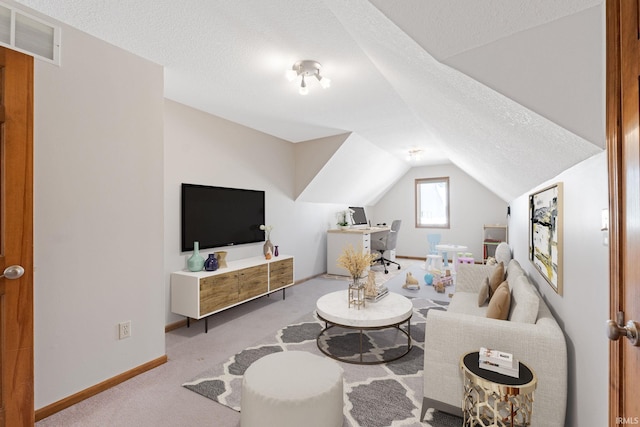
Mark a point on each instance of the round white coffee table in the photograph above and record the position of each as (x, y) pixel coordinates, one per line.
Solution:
(389, 312)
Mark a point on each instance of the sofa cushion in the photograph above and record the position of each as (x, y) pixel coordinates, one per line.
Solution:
(496, 278)
(503, 253)
(524, 301)
(485, 292)
(500, 302)
(466, 303)
(513, 270)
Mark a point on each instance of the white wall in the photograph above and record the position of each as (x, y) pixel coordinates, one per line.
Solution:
(98, 217)
(471, 207)
(205, 149)
(584, 306)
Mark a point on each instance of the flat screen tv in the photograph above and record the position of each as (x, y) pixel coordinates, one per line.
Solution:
(219, 216)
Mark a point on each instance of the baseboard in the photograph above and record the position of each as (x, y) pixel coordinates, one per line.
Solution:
(58, 406)
(297, 282)
(176, 325)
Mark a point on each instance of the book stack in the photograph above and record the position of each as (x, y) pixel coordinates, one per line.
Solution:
(499, 361)
(382, 292)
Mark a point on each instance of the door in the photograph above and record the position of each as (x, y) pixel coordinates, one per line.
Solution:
(16, 239)
(623, 145)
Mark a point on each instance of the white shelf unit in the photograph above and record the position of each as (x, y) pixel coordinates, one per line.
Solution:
(200, 294)
(492, 236)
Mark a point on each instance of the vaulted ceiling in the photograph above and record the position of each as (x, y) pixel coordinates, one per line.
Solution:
(511, 91)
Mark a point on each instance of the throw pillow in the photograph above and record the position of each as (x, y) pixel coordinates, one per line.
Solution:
(496, 278)
(484, 295)
(503, 253)
(500, 302)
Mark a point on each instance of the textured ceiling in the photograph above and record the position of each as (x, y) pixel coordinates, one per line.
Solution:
(389, 85)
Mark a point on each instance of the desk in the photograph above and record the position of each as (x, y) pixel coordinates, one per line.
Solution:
(338, 239)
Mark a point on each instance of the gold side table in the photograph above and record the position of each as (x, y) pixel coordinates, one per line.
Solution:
(493, 399)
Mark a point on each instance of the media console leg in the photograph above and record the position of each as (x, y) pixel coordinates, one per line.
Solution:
(283, 295)
(206, 325)
(188, 321)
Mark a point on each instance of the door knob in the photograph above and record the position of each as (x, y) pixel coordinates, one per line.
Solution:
(630, 330)
(13, 272)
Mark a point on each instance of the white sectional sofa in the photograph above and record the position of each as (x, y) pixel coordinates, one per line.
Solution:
(531, 333)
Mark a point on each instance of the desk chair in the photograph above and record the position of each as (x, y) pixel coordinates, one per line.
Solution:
(387, 243)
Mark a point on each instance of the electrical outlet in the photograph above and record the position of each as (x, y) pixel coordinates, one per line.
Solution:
(125, 330)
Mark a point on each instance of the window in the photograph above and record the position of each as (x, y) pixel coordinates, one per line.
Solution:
(432, 202)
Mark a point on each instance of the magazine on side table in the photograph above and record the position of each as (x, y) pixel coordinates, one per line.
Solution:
(499, 361)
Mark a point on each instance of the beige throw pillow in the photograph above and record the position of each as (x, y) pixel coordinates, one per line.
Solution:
(484, 294)
(496, 278)
(500, 302)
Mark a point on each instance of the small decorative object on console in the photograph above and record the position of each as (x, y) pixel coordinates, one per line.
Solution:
(222, 259)
(211, 264)
(195, 261)
(268, 246)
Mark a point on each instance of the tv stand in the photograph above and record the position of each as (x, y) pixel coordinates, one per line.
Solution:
(200, 294)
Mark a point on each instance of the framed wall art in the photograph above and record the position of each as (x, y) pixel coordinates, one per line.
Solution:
(545, 234)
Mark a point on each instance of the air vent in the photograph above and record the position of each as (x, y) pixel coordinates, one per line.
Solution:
(28, 34)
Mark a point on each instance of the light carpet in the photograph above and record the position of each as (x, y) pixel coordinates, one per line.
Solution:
(388, 394)
(417, 270)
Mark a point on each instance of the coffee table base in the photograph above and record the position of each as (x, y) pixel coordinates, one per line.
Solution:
(329, 325)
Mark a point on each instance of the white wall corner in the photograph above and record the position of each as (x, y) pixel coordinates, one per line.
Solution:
(358, 173)
(311, 156)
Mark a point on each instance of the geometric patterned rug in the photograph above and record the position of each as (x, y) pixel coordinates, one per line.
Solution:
(387, 394)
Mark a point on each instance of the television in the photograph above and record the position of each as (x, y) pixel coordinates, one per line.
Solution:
(358, 216)
(219, 216)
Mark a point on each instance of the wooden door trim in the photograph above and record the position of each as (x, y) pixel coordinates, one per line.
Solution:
(17, 222)
(613, 135)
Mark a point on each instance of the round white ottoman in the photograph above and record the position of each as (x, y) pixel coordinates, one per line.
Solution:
(292, 389)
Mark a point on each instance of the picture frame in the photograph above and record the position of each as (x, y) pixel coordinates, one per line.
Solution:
(545, 234)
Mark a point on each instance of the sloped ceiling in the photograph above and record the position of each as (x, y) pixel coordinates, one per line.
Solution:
(400, 73)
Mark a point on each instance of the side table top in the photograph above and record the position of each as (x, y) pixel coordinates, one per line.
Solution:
(470, 363)
(390, 310)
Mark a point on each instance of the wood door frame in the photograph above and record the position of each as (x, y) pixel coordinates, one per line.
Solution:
(613, 113)
(17, 238)
(616, 49)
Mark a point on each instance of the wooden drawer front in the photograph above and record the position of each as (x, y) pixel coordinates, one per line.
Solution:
(253, 281)
(218, 292)
(281, 273)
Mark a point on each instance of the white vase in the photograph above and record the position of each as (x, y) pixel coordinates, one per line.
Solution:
(267, 248)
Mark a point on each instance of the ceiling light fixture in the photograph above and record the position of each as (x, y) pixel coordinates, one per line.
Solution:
(415, 155)
(307, 68)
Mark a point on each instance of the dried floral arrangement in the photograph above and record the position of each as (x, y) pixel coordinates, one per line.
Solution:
(355, 261)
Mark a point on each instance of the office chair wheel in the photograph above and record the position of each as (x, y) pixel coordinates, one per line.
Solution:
(398, 267)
